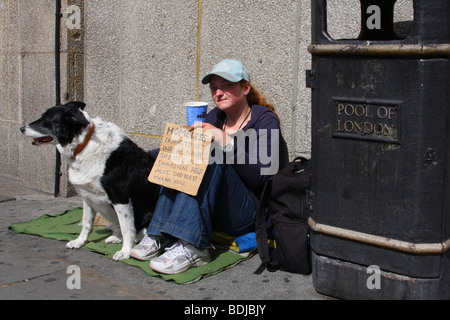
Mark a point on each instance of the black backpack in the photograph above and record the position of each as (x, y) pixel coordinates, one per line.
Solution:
(284, 204)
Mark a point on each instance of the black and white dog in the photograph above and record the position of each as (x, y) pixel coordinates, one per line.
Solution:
(107, 169)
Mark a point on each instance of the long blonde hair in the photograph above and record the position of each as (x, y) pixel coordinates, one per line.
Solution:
(255, 97)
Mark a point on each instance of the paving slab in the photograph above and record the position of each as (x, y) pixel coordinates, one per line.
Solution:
(33, 267)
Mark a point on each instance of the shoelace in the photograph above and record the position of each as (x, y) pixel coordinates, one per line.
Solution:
(176, 250)
(149, 241)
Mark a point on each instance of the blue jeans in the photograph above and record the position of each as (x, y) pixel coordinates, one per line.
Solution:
(222, 202)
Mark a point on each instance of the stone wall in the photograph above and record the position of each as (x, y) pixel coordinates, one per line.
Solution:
(137, 62)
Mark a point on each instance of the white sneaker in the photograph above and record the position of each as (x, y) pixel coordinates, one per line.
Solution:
(179, 258)
(149, 247)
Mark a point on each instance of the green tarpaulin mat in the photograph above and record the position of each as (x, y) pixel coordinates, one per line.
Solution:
(65, 227)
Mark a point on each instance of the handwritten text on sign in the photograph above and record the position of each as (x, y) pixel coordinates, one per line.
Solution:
(182, 159)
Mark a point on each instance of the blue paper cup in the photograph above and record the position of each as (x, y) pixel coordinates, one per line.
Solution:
(196, 112)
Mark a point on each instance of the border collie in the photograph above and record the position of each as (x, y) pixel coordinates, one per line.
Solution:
(107, 169)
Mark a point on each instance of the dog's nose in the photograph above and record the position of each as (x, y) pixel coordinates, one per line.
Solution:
(22, 129)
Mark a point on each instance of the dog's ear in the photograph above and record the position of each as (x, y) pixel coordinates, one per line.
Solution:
(79, 118)
(76, 104)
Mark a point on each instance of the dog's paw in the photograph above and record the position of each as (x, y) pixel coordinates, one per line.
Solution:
(75, 244)
(113, 239)
(121, 255)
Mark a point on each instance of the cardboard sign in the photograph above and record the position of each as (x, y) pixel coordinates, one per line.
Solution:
(182, 159)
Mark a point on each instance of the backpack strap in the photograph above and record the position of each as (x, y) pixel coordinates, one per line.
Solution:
(261, 229)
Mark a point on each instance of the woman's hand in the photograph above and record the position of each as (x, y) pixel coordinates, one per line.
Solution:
(218, 136)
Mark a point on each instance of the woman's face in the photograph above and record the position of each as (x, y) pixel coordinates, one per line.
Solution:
(227, 94)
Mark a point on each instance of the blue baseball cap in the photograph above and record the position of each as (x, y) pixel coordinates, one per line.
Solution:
(231, 70)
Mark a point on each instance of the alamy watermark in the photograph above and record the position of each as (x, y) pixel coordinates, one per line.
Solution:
(73, 20)
(74, 280)
(374, 280)
(250, 147)
(374, 20)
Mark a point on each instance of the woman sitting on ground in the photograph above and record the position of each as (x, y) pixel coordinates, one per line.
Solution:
(228, 195)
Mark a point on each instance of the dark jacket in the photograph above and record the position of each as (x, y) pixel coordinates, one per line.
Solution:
(249, 164)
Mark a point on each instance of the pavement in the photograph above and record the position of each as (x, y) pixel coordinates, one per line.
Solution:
(35, 268)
